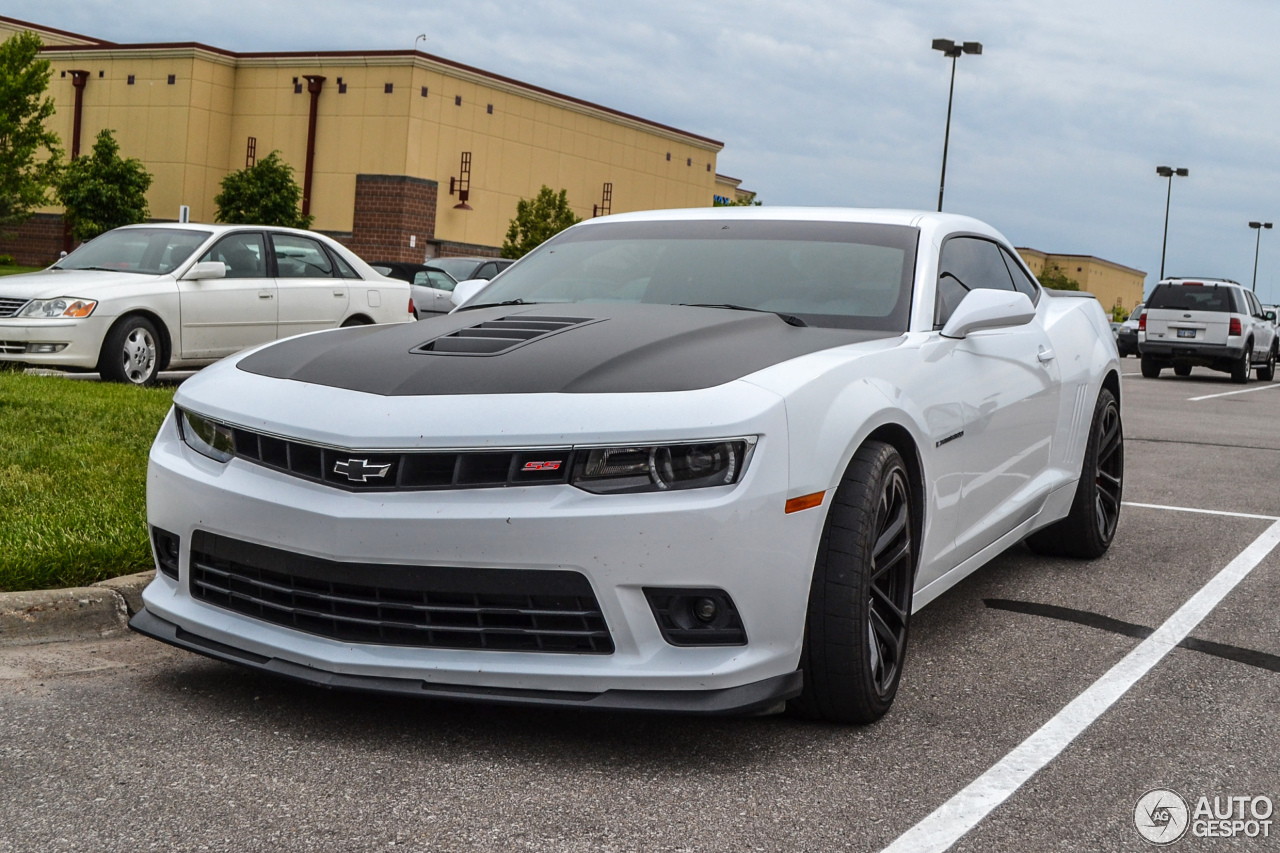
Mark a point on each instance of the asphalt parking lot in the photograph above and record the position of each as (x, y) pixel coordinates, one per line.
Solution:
(130, 745)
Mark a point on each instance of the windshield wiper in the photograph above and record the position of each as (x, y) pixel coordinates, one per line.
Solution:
(497, 304)
(789, 319)
(103, 269)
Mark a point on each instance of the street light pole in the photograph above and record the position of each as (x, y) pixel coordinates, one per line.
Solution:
(1257, 226)
(1168, 172)
(952, 50)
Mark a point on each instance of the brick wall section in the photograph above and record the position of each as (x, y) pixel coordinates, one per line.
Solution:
(35, 243)
(447, 249)
(389, 210)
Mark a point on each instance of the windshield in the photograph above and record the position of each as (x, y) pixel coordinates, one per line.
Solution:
(1191, 297)
(460, 268)
(151, 251)
(834, 274)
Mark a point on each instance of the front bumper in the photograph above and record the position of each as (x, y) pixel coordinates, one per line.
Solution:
(82, 340)
(736, 538)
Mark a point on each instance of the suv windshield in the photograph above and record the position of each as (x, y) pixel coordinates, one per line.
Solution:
(1192, 297)
(151, 251)
(834, 274)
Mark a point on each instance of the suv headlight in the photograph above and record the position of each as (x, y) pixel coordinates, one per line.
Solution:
(63, 306)
(206, 437)
(661, 467)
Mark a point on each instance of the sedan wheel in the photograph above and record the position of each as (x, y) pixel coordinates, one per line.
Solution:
(130, 353)
(860, 600)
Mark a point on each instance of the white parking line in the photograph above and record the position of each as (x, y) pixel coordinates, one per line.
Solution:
(1229, 393)
(1203, 511)
(966, 809)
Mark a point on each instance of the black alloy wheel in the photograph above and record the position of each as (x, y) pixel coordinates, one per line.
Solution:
(860, 602)
(1089, 528)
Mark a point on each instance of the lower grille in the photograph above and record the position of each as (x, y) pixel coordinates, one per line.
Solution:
(425, 606)
(13, 347)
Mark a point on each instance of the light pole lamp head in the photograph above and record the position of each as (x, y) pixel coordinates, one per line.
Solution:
(1164, 171)
(1266, 225)
(944, 45)
(1255, 225)
(973, 47)
(1181, 173)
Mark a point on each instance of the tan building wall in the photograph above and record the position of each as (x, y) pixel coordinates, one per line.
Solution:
(1114, 285)
(191, 132)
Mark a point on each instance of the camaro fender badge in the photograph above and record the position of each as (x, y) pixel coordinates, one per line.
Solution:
(949, 439)
(359, 470)
(542, 466)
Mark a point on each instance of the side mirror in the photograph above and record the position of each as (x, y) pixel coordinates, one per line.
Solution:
(989, 309)
(1271, 315)
(206, 269)
(464, 290)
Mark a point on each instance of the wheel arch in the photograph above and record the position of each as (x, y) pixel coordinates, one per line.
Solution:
(358, 319)
(899, 437)
(162, 329)
(1112, 383)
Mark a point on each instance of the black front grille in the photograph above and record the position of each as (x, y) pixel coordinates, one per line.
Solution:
(407, 471)
(427, 606)
(494, 337)
(11, 305)
(13, 347)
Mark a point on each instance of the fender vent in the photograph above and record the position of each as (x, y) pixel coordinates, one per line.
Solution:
(494, 337)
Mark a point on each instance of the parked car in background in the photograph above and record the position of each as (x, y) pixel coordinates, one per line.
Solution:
(1214, 323)
(142, 298)
(1127, 334)
(465, 269)
(432, 287)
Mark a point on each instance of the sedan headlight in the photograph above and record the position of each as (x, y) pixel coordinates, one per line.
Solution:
(63, 306)
(661, 467)
(206, 437)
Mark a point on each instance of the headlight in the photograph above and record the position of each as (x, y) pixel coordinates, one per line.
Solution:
(63, 306)
(661, 467)
(206, 437)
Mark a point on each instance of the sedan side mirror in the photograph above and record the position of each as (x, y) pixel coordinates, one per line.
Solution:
(989, 309)
(206, 269)
(464, 290)
(1271, 315)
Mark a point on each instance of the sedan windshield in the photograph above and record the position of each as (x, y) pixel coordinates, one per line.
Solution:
(150, 251)
(834, 274)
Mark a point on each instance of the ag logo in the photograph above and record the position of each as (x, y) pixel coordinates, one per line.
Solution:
(1161, 816)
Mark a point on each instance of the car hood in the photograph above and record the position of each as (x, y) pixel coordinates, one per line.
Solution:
(566, 348)
(84, 284)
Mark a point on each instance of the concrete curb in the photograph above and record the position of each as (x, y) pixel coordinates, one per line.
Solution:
(77, 613)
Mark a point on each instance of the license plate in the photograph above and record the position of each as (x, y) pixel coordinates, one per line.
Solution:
(1186, 333)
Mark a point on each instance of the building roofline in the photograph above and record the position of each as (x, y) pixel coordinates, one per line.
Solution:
(1082, 257)
(41, 28)
(355, 54)
(728, 179)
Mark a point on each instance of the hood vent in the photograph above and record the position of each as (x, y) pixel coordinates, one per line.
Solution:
(494, 337)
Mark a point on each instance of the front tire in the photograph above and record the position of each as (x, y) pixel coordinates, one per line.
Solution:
(1150, 368)
(1182, 370)
(1088, 529)
(131, 352)
(860, 601)
(1268, 371)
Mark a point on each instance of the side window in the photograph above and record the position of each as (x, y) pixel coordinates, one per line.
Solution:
(440, 281)
(244, 254)
(1022, 282)
(301, 257)
(487, 271)
(967, 263)
(344, 268)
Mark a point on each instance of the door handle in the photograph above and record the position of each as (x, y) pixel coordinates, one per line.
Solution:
(1045, 355)
(264, 295)
(339, 293)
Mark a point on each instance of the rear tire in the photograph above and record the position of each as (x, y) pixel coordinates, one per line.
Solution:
(131, 352)
(1088, 529)
(1240, 370)
(1150, 368)
(357, 320)
(860, 601)
(1182, 370)
(1268, 371)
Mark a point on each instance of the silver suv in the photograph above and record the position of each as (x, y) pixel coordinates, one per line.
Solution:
(1214, 323)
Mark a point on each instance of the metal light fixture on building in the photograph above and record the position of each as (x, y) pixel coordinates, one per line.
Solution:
(1257, 226)
(605, 207)
(952, 51)
(461, 185)
(1168, 172)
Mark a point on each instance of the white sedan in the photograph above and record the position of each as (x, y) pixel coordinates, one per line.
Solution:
(702, 461)
(138, 299)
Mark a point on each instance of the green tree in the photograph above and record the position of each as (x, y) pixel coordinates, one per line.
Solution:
(262, 194)
(25, 177)
(745, 201)
(103, 190)
(538, 219)
(1054, 278)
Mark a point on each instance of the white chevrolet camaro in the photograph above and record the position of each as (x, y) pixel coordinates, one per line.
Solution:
(701, 461)
(138, 299)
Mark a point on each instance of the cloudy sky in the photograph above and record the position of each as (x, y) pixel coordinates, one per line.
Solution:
(1058, 126)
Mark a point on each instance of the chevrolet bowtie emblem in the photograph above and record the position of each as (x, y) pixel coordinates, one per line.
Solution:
(359, 470)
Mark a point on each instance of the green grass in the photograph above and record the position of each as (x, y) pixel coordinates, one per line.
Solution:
(73, 467)
(8, 270)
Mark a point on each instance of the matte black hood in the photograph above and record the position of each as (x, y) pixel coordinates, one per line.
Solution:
(584, 348)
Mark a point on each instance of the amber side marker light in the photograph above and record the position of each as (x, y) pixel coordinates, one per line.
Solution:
(805, 502)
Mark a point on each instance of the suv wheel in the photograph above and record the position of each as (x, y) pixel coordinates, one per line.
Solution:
(1182, 370)
(1240, 370)
(1150, 367)
(1268, 371)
